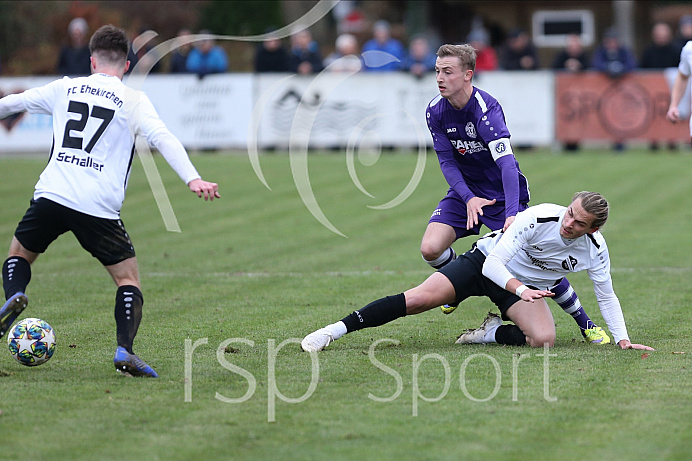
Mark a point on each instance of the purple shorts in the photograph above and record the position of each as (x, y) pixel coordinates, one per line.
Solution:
(452, 211)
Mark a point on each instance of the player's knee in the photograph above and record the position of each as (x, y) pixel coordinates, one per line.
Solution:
(430, 251)
(541, 339)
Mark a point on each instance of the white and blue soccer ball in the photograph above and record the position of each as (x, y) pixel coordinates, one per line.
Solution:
(31, 342)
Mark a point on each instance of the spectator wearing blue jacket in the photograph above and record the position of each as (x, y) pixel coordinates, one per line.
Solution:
(613, 58)
(421, 58)
(207, 57)
(390, 52)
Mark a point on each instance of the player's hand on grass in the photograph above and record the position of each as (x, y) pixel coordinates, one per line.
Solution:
(209, 190)
(625, 344)
(474, 209)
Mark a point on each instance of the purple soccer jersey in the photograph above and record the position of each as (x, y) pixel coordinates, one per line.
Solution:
(472, 146)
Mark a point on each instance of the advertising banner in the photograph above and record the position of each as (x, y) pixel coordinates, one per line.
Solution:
(593, 107)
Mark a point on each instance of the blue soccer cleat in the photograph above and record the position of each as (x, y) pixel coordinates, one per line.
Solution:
(11, 310)
(131, 365)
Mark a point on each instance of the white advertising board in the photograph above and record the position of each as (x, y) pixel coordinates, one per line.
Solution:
(208, 113)
(328, 110)
(528, 99)
(335, 109)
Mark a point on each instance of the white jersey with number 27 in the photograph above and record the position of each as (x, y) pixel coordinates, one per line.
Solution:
(95, 121)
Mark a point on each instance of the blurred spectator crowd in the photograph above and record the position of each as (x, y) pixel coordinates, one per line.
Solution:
(367, 46)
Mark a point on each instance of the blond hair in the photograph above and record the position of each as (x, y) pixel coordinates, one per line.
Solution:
(466, 54)
(594, 204)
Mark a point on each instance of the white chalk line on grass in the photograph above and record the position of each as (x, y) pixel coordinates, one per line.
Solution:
(336, 274)
(616, 270)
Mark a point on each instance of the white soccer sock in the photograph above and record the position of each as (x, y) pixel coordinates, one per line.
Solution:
(337, 329)
(490, 335)
(445, 258)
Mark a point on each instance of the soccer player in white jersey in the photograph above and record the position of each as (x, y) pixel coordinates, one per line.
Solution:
(514, 269)
(82, 188)
(680, 84)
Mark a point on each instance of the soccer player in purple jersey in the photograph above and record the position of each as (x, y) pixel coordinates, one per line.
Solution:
(487, 187)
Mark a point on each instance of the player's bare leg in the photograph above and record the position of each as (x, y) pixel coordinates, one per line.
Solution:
(533, 325)
(436, 246)
(435, 290)
(535, 321)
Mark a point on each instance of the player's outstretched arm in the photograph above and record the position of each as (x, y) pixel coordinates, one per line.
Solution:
(625, 344)
(208, 190)
(11, 104)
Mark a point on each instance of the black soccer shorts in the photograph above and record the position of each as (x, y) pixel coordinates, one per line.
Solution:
(45, 221)
(466, 275)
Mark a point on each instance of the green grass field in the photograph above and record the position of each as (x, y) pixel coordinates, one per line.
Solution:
(227, 299)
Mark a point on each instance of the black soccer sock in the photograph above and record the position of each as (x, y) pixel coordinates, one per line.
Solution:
(376, 313)
(128, 314)
(16, 274)
(510, 335)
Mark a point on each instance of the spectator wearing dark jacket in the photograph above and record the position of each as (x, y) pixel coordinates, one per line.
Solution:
(74, 59)
(661, 53)
(572, 58)
(518, 53)
(305, 53)
(271, 56)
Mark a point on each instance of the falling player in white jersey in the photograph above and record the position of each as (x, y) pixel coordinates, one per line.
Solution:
(515, 270)
(82, 188)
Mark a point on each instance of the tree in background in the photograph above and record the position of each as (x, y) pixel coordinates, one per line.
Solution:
(242, 17)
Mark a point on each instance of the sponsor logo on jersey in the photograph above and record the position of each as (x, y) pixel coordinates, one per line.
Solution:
(467, 147)
(452, 130)
(570, 263)
(437, 212)
(543, 265)
(84, 162)
(470, 130)
(500, 147)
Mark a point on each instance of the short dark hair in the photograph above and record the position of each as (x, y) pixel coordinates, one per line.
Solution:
(110, 44)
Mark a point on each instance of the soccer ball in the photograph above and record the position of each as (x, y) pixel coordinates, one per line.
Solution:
(31, 342)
